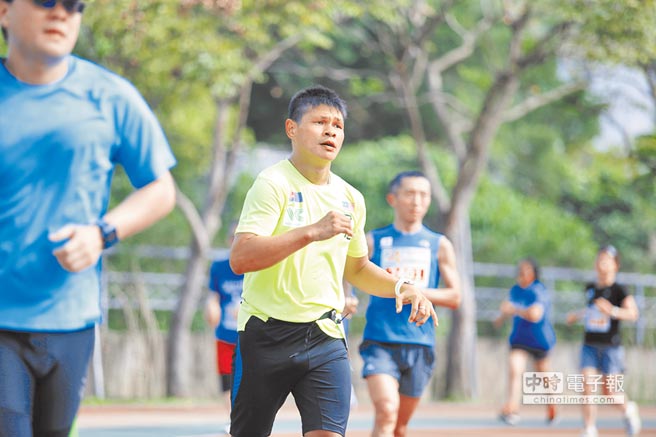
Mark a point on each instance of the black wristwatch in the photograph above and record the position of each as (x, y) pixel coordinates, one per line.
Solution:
(108, 231)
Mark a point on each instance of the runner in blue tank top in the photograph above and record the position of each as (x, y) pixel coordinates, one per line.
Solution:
(64, 125)
(529, 305)
(398, 358)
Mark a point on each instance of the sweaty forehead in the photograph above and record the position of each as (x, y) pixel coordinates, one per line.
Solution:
(415, 183)
(324, 111)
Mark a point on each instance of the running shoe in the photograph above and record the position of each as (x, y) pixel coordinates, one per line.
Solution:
(590, 431)
(632, 421)
(511, 419)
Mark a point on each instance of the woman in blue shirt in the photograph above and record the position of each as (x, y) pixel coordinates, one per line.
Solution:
(532, 335)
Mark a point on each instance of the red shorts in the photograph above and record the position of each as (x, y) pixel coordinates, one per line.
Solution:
(224, 353)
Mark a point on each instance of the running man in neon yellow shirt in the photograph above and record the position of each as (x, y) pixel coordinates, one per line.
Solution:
(301, 231)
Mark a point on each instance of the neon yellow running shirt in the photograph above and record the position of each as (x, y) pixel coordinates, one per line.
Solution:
(308, 283)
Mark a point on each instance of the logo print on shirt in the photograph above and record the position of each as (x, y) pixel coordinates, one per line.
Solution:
(295, 212)
(348, 210)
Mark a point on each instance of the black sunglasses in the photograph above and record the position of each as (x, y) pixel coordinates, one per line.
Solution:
(71, 6)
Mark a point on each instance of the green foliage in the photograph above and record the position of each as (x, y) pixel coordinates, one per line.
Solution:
(388, 156)
(506, 225)
(615, 194)
(645, 157)
(532, 154)
(117, 321)
(609, 30)
(397, 153)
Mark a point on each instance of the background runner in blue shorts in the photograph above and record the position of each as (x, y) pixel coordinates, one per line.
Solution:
(398, 358)
(602, 354)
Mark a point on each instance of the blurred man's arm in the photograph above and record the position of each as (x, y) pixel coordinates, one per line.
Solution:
(449, 295)
(135, 213)
(212, 311)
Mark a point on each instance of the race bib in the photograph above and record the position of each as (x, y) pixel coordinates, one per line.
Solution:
(595, 320)
(408, 262)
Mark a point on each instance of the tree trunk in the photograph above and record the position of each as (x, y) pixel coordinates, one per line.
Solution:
(179, 352)
(461, 376)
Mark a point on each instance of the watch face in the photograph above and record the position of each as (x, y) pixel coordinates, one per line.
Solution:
(110, 237)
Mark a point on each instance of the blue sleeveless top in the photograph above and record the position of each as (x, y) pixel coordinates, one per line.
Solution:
(411, 256)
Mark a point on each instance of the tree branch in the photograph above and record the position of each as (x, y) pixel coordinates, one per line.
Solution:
(464, 50)
(274, 54)
(193, 218)
(448, 119)
(539, 100)
(542, 49)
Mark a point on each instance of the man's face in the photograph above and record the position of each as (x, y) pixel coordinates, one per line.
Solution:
(39, 34)
(319, 136)
(412, 199)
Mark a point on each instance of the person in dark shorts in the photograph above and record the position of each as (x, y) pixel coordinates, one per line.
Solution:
(65, 123)
(532, 335)
(607, 305)
(301, 232)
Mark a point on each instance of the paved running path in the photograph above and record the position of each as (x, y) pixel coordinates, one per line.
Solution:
(431, 419)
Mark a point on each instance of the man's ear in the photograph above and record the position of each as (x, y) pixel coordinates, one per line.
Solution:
(290, 128)
(390, 199)
(4, 7)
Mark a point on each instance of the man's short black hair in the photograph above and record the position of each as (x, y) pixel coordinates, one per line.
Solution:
(396, 182)
(312, 97)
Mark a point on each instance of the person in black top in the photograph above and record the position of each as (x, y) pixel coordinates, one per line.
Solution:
(607, 304)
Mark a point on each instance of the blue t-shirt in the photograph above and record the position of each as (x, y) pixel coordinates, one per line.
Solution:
(59, 144)
(537, 335)
(229, 286)
(410, 256)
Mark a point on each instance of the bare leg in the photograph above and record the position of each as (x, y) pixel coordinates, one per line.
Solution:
(384, 393)
(407, 407)
(543, 365)
(321, 433)
(632, 420)
(516, 365)
(589, 410)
